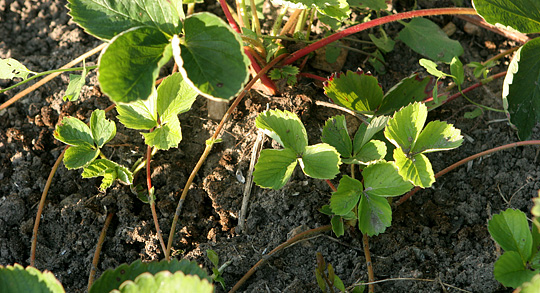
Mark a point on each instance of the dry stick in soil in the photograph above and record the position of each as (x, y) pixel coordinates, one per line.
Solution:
(407, 279)
(44, 196)
(51, 76)
(376, 22)
(210, 144)
(295, 239)
(455, 165)
(101, 239)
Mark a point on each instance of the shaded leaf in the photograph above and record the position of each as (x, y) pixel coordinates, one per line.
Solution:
(366, 132)
(347, 195)
(425, 37)
(103, 130)
(75, 85)
(337, 226)
(79, 156)
(140, 114)
(510, 229)
(405, 126)
(521, 94)
(510, 270)
(371, 152)
(371, 4)
(18, 279)
(354, 90)
(335, 134)
(73, 131)
(374, 215)
(408, 90)
(109, 170)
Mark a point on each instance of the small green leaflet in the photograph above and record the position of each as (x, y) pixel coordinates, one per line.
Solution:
(337, 226)
(357, 91)
(165, 281)
(521, 15)
(129, 66)
(337, 9)
(320, 161)
(105, 19)
(110, 172)
(533, 286)
(285, 128)
(11, 68)
(18, 279)
(408, 90)
(371, 4)
(383, 179)
(287, 72)
(85, 141)
(347, 195)
(510, 229)
(374, 215)
(425, 37)
(335, 134)
(384, 43)
(404, 130)
(510, 270)
(274, 168)
(521, 94)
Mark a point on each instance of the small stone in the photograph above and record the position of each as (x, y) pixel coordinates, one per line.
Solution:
(449, 29)
(472, 29)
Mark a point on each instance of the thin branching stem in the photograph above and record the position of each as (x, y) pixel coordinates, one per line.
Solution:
(295, 239)
(376, 22)
(468, 159)
(99, 245)
(51, 76)
(210, 144)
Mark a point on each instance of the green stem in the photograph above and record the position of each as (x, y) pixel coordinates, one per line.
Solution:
(256, 26)
(47, 73)
(468, 159)
(245, 17)
(151, 197)
(310, 23)
(209, 145)
(376, 22)
(301, 23)
(277, 24)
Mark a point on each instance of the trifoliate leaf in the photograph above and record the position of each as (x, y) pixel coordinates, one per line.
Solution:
(73, 131)
(103, 130)
(374, 215)
(284, 127)
(347, 195)
(110, 172)
(383, 179)
(320, 161)
(437, 136)
(416, 169)
(357, 91)
(335, 134)
(274, 168)
(79, 156)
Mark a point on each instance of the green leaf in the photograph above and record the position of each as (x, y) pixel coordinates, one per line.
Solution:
(211, 56)
(374, 215)
(337, 9)
(366, 132)
(139, 114)
(431, 68)
(174, 96)
(404, 128)
(521, 15)
(425, 37)
(213, 257)
(320, 161)
(383, 179)
(416, 169)
(521, 94)
(73, 131)
(274, 168)
(337, 226)
(510, 230)
(11, 68)
(79, 156)
(103, 130)
(335, 134)
(347, 195)
(474, 113)
(75, 85)
(18, 279)
(354, 90)
(371, 4)
(129, 66)
(437, 136)
(408, 90)
(456, 68)
(105, 19)
(371, 152)
(339, 284)
(533, 286)
(384, 43)
(284, 127)
(166, 282)
(112, 278)
(166, 136)
(510, 270)
(109, 170)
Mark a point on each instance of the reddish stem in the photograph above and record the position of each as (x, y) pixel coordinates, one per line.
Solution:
(379, 21)
(229, 16)
(334, 189)
(466, 160)
(311, 75)
(270, 85)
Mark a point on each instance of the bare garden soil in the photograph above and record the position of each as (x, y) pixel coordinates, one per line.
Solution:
(440, 234)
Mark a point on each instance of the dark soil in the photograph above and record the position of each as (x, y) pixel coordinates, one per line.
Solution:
(440, 234)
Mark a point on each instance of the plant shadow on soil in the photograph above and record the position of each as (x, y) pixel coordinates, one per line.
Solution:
(441, 233)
